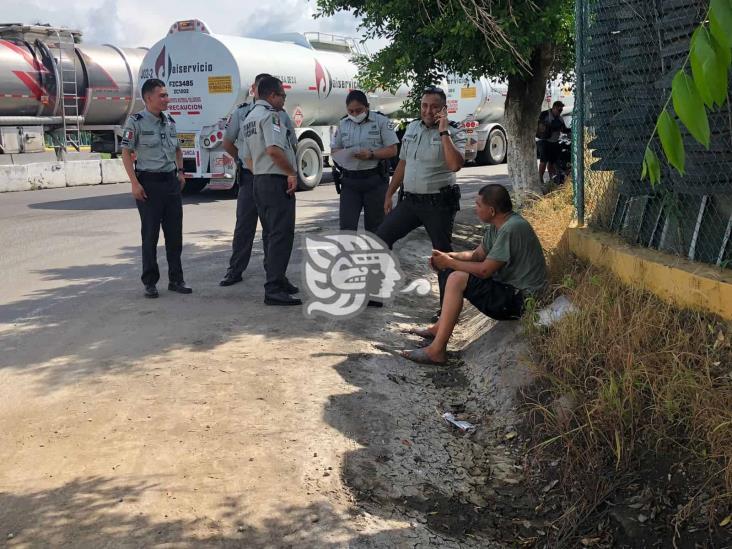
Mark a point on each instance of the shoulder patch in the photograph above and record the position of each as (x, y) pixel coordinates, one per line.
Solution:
(240, 105)
(170, 118)
(454, 124)
(137, 116)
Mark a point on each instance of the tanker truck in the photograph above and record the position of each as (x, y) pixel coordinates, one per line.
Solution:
(207, 75)
(479, 105)
(51, 83)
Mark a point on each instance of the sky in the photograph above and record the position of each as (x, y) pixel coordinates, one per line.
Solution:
(134, 23)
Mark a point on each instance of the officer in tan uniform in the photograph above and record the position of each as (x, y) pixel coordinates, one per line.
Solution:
(157, 180)
(268, 151)
(432, 151)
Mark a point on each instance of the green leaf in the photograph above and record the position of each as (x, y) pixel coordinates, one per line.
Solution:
(723, 37)
(721, 10)
(673, 146)
(651, 166)
(689, 107)
(709, 65)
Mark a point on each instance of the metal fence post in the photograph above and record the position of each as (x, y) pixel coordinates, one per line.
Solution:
(578, 115)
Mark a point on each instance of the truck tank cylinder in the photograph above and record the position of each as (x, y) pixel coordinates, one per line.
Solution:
(105, 88)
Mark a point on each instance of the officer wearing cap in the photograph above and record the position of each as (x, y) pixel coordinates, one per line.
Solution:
(157, 180)
(362, 140)
(269, 153)
(432, 151)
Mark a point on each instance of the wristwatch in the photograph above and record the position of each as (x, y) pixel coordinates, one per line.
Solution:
(444, 132)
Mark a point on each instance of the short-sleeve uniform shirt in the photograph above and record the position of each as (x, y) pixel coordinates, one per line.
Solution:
(374, 132)
(426, 170)
(154, 140)
(264, 128)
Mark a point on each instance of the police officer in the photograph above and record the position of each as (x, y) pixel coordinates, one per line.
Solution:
(269, 153)
(432, 151)
(157, 180)
(365, 138)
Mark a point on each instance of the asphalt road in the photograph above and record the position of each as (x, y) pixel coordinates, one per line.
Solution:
(52, 238)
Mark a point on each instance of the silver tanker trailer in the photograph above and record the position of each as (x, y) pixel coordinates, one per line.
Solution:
(52, 83)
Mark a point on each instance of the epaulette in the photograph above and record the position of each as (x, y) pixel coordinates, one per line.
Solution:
(245, 104)
(454, 124)
(137, 116)
(378, 112)
(344, 117)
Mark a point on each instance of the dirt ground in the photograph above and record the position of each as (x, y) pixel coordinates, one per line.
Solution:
(212, 420)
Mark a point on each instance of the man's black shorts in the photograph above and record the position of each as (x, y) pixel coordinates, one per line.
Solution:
(549, 152)
(494, 299)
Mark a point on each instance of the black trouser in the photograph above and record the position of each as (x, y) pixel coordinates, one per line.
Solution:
(277, 212)
(437, 216)
(365, 193)
(162, 207)
(433, 211)
(246, 226)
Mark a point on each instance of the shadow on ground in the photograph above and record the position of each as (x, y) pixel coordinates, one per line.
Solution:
(93, 512)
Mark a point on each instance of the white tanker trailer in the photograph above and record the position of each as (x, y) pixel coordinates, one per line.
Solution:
(480, 106)
(208, 75)
(51, 82)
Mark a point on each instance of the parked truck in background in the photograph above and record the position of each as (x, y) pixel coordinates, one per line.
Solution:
(480, 106)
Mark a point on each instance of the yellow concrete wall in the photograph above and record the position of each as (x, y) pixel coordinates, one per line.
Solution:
(672, 278)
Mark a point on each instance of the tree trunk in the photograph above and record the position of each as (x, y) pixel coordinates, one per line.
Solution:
(523, 105)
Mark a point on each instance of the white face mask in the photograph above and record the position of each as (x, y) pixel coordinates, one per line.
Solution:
(360, 118)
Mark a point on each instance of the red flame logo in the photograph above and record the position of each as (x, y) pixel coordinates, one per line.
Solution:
(160, 64)
(323, 81)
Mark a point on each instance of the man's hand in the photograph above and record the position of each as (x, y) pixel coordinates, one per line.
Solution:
(138, 192)
(388, 203)
(442, 120)
(181, 180)
(291, 184)
(363, 154)
(440, 260)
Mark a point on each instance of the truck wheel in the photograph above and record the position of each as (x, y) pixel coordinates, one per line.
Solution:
(195, 185)
(309, 164)
(495, 148)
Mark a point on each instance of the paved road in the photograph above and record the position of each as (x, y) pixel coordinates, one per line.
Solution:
(185, 420)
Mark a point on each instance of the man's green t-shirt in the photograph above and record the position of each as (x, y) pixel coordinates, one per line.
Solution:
(517, 245)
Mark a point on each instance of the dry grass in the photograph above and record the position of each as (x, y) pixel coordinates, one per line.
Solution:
(641, 376)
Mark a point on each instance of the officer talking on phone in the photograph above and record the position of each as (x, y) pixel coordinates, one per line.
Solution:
(433, 149)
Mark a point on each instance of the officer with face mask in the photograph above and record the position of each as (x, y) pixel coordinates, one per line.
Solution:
(364, 139)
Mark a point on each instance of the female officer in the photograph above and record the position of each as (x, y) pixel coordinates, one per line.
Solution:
(362, 140)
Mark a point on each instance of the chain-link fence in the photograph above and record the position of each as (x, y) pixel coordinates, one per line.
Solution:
(629, 53)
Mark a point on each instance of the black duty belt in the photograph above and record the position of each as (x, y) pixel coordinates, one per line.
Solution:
(143, 172)
(360, 174)
(426, 198)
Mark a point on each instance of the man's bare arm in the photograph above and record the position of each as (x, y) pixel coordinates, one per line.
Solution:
(230, 148)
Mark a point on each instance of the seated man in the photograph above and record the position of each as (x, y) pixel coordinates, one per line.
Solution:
(496, 277)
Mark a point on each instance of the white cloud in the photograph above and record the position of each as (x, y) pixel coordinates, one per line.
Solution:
(142, 22)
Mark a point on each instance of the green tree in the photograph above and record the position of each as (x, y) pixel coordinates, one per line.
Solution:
(524, 42)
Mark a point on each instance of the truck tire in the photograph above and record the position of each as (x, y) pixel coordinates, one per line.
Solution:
(309, 164)
(495, 148)
(195, 185)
